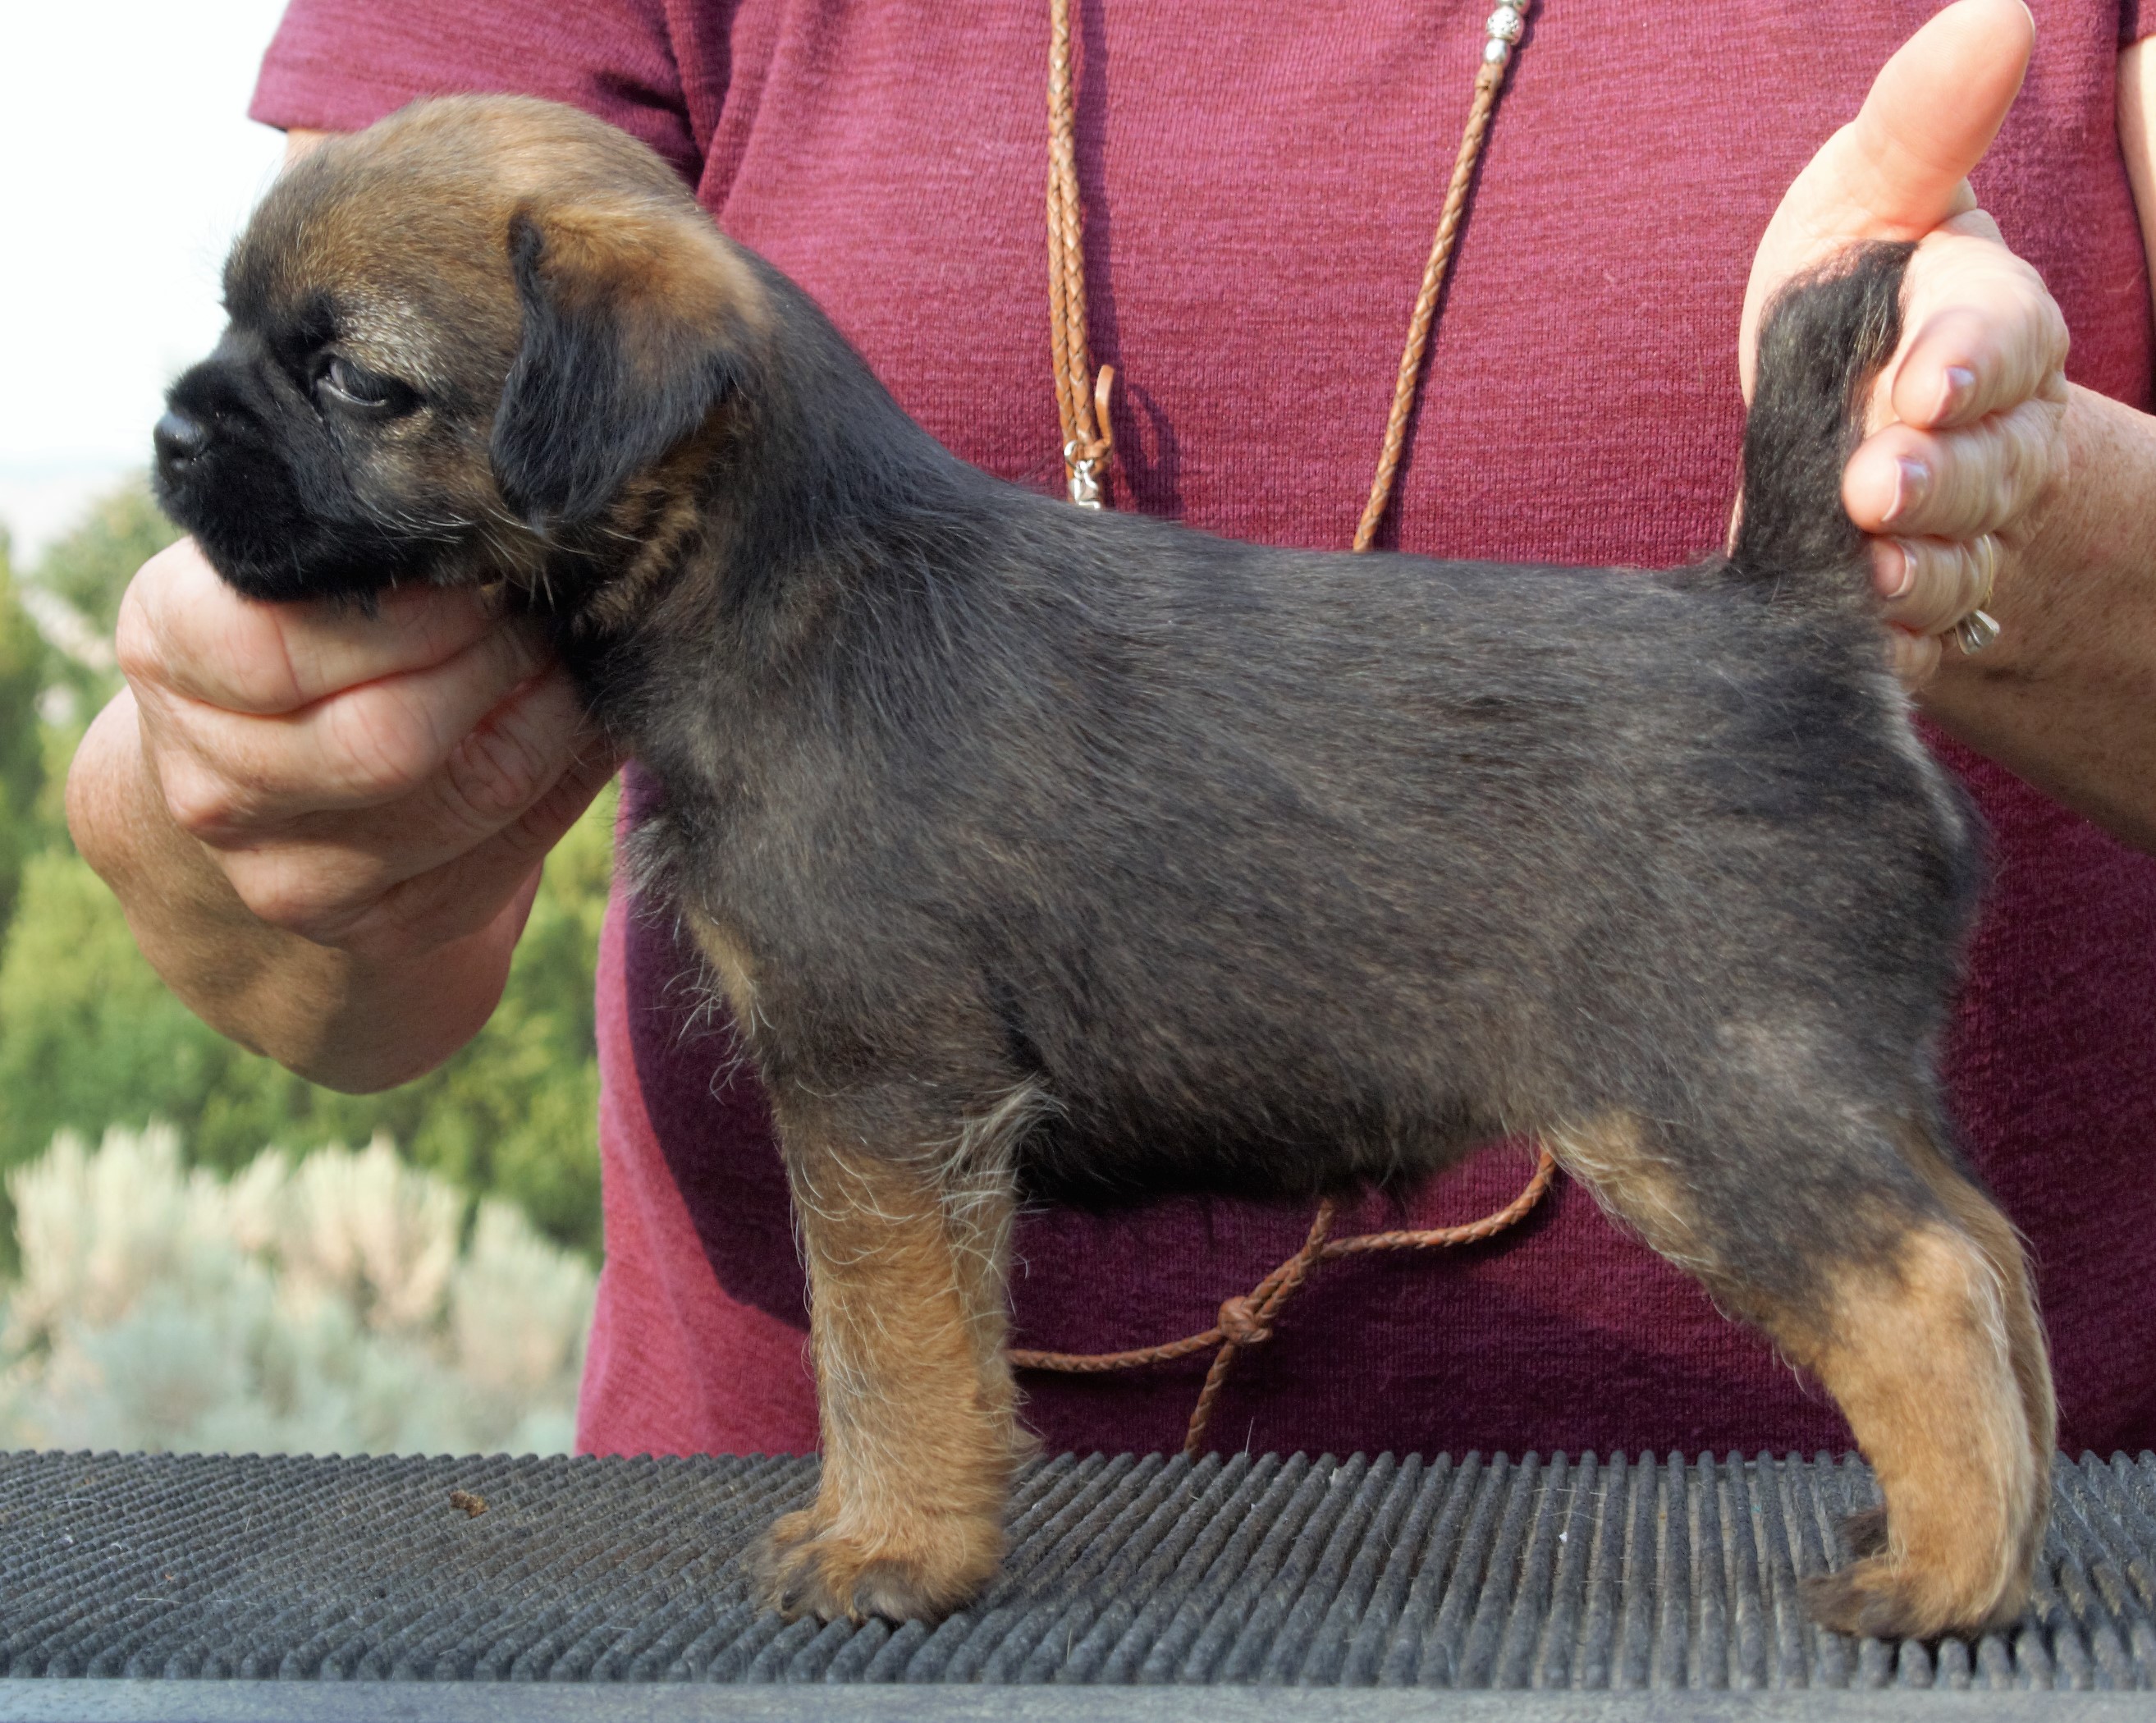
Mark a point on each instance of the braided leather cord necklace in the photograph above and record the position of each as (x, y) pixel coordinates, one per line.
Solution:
(1082, 400)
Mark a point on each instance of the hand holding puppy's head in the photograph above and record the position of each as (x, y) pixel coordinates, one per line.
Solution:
(472, 343)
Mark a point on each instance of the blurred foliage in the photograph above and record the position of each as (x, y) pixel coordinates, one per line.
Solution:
(23, 667)
(91, 1038)
(337, 1304)
(84, 575)
(92, 566)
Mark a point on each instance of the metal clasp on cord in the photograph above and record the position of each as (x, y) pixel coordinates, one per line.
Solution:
(1086, 455)
(1085, 480)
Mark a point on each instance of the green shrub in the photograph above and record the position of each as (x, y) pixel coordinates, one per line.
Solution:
(84, 574)
(23, 667)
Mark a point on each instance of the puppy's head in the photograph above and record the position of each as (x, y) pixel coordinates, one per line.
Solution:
(461, 344)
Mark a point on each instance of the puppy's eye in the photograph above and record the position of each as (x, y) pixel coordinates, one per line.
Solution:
(354, 386)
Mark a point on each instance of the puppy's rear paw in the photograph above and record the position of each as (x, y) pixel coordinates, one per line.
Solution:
(1882, 1598)
(1865, 1532)
(918, 1572)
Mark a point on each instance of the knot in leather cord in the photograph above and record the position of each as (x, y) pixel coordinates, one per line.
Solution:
(1247, 1319)
(1240, 1324)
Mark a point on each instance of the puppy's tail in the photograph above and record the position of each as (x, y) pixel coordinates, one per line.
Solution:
(1822, 341)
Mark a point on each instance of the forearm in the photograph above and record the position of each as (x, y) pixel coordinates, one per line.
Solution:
(2066, 698)
(347, 1022)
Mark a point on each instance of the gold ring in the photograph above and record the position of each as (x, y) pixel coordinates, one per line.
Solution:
(1978, 628)
(1986, 549)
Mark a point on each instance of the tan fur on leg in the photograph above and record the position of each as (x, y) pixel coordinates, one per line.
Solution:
(1919, 1355)
(915, 1393)
(979, 1211)
(1934, 1353)
(1611, 1154)
(2025, 1329)
(1996, 1534)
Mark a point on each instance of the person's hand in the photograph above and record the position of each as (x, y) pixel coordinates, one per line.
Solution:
(1966, 425)
(383, 785)
(326, 827)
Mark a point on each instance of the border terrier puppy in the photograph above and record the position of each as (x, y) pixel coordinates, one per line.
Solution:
(1040, 848)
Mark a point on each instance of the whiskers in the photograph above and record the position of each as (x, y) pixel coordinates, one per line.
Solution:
(495, 544)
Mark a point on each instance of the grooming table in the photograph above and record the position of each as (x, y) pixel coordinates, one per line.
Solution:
(139, 1586)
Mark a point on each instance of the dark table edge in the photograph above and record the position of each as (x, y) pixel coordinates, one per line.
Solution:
(124, 1701)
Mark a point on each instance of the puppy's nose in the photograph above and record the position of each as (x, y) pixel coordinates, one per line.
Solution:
(179, 438)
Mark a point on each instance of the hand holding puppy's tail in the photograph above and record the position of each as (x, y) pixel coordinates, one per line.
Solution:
(1823, 341)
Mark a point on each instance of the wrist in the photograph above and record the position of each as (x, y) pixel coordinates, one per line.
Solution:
(361, 1023)
(163, 878)
(354, 1022)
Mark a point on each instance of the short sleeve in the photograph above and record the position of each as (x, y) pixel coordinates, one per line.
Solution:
(2135, 21)
(338, 65)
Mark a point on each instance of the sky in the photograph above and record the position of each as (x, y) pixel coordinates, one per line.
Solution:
(127, 162)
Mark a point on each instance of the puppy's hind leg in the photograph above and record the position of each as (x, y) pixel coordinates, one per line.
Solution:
(1889, 1277)
(914, 1388)
(1979, 1247)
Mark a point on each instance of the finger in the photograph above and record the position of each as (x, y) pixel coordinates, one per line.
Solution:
(182, 627)
(543, 824)
(1929, 583)
(1915, 658)
(1973, 223)
(1899, 169)
(316, 874)
(225, 773)
(1931, 114)
(514, 756)
(1998, 339)
(453, 902)
(1951, 483)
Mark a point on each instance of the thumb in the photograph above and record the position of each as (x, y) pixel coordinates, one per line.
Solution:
(1902, 166)
(1932, 111)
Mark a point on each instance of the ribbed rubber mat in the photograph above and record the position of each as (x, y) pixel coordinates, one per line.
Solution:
(1474, 1573)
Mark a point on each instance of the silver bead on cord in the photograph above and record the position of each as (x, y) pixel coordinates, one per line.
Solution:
(1504, 29)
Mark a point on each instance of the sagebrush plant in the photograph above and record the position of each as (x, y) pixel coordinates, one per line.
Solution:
(342, 1303)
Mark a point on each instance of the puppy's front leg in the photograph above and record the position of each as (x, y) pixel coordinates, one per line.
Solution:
(906, 1259)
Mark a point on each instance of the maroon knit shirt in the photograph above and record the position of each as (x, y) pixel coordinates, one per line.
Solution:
(1260, 186)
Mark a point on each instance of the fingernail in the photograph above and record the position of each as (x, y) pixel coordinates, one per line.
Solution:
(1897, 572)
(1960, 382)
(1911, 479)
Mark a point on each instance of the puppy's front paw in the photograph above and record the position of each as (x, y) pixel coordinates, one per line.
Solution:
(919, 1571)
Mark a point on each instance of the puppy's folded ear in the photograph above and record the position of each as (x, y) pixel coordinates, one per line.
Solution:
(632, 329)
